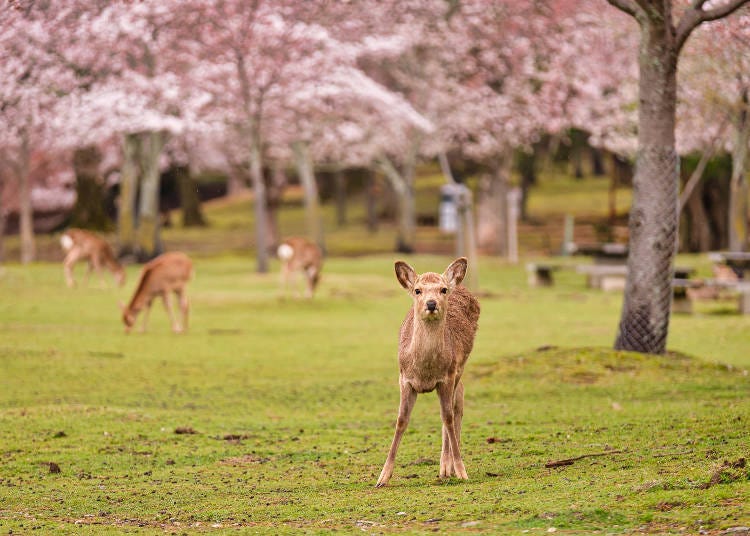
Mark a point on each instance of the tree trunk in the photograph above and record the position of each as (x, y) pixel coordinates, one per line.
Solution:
(306, 175)
(340, 183)
(148, 235)
(407, 216)
(261, 218)
(88, 211)
(612, 192)
(190, 203)
(697, 231)
(493, 207)
(577, 147)
(26, 211)
(738, 193)
(644, 321)
(527, 169)
(129, 178)
(371, 202)
(275, 185)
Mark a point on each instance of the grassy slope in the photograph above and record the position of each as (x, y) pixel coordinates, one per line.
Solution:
(308, 391)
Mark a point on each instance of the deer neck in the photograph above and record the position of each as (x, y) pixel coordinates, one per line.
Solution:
(428, 338)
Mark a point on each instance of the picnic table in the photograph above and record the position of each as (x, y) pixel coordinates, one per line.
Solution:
(739, 261)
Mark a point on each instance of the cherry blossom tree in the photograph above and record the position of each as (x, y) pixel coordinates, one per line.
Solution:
(644, 322)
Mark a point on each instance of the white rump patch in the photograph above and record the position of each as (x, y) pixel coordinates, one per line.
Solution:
(285, 252)
(66, 242)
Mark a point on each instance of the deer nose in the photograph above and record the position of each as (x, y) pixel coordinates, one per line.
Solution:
(431, 305)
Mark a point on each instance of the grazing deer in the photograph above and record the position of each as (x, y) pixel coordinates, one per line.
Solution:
(167, 273)
(300, 255)
(78, 245)
(436, 339)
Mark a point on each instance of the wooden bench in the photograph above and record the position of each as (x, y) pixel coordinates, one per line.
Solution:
(683, 301)
(540, 275)
(604, 276)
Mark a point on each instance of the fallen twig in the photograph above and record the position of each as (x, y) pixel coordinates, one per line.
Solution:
(569, 461)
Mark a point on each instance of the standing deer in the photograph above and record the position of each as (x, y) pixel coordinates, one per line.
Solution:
(79, 245)
(300, 255)
(167, 273)
(436, 339)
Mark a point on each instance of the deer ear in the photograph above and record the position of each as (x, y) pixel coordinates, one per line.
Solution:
(405, 274)
(455, 273)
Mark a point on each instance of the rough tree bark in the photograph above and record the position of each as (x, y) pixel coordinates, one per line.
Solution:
(644, 321)
(88, 211)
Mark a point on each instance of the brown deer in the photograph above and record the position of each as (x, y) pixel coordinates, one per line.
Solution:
(436, 339)
(85, 245)
(167, 273)
(300, 255)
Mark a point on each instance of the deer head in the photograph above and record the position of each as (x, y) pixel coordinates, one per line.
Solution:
(430, 290)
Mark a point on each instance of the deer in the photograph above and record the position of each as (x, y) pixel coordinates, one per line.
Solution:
(298, 254)
(85, 245)
(435, 341)
(167, 273)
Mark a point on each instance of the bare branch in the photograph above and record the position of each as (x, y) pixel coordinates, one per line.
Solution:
(696, 16)
(628, 6)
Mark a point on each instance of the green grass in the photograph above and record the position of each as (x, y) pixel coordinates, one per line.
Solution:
(293, 402)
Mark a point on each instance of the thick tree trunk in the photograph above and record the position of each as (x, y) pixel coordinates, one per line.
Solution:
(259, 194)
(129, 175)
(738, 193)
(306, 174)
(644, 321)
(149, 226)
(190, 203)
(88, 211)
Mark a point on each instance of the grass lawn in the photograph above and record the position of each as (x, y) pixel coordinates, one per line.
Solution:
(288, 408)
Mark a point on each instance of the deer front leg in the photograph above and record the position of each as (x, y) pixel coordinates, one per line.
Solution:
(446, 392)
(446, 459)
(146, 311)
(408, 398)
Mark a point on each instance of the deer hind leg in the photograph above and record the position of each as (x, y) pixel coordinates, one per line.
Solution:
(68, 263)
(408, 398)
(446, 459)
(184, 306)
(167, 299)
(447, 395)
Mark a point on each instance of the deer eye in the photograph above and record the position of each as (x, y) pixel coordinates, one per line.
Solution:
(443, 290)
(417, 291)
